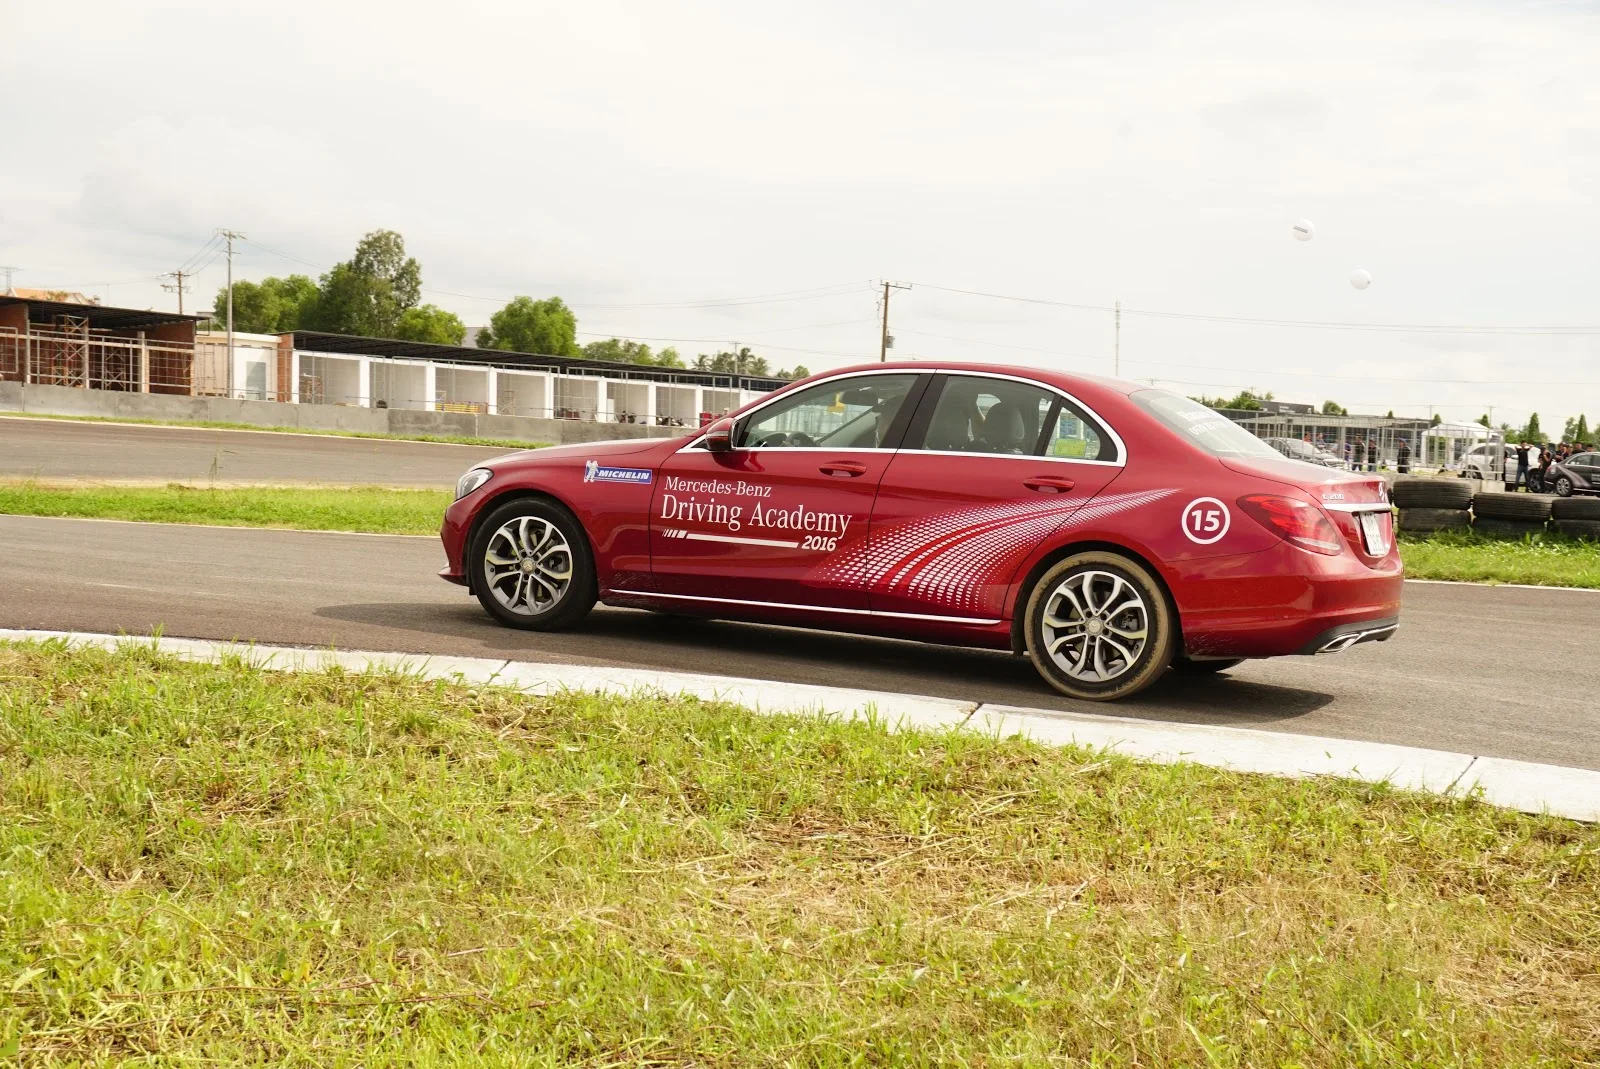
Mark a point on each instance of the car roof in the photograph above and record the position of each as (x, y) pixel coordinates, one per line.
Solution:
(1064, 379)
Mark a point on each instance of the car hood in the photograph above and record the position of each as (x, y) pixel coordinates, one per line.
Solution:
(1331, 486)
(621, 447)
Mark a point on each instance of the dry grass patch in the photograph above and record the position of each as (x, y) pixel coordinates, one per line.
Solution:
(204, 862)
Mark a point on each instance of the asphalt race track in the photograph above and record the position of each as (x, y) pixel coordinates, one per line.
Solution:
(1507, 672)
(64, 449)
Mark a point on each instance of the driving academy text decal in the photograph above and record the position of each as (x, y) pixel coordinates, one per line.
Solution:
(749, 520)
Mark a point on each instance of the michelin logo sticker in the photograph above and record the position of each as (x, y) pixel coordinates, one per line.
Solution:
(595, 472)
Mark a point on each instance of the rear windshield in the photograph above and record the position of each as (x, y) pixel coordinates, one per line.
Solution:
(1208, 429)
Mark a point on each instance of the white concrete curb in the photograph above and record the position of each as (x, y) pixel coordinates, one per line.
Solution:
(1573, 793)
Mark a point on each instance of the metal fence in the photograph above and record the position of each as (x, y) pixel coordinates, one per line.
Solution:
(96, 360)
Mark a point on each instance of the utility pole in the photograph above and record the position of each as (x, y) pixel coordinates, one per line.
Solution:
(8, 271)
(177, 284)
(887, 342)
(232, 236)
(1116, 344)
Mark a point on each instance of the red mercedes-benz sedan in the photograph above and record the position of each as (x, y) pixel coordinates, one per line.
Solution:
(1108, 531)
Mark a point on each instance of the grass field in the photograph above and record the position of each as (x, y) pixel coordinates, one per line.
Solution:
(1548, 561)
(348, 509)
(1542, 561)
(219, 864)
(442, 439)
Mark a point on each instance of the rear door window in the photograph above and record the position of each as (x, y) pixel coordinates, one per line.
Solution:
(1005, 417)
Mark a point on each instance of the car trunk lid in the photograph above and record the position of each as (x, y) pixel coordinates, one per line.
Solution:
(1357, 503)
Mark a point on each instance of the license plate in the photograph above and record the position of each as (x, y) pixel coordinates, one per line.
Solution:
(1375, 533)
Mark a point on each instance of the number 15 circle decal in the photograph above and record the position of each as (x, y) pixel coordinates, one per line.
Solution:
(1205, 520)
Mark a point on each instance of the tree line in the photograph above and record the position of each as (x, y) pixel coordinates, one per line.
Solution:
(377, 294)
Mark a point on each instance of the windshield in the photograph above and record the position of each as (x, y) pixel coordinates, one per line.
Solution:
(1206, 428)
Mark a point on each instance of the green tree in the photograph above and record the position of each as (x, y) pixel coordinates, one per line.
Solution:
(1580, 433)
(800, 372)
(1390, 415)
(1334, 408)
(368, 293)
(271, 306)
(547, 328)
(430, 323)
(1437, 419)
(743, 362)
(1532, 432)
(1483, 419)
(631, 352)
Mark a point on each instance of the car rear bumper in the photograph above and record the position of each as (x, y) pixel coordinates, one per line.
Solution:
(1340, 638)
(1284, 601)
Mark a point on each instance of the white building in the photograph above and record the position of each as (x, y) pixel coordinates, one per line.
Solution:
(310, 367)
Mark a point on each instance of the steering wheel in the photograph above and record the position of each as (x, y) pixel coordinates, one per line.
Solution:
(798, 438)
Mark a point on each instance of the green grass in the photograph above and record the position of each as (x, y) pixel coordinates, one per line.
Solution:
(358, 508)
(224, 425)
(1544, 560)
(219, 864)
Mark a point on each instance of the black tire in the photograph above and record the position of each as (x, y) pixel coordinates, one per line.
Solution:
(1586, 529)
(1576, 508)
(1427, 521)
(1563, 486)
(1535, 483)
(1512, 529)
(1494, 506)
(1090, 573)
(490, 582)
(1432, 494)
(1187, 667)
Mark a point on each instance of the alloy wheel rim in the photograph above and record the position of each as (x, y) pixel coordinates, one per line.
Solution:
(527, 565)
(1096, 625)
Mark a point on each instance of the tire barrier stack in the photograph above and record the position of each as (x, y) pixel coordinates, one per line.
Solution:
(1502, 515)
(1430, 505)
(1577, 517)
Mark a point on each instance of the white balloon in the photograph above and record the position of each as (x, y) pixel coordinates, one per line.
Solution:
(1303, 229)
(1361, 278)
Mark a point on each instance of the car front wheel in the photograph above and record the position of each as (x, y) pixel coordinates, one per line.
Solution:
(533, 567)
(1097, 626)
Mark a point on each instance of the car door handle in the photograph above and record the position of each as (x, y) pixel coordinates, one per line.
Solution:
(846, 468)
(1049, 484)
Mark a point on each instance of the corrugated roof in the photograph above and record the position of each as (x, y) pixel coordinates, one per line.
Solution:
(317, 341)
(100, 317)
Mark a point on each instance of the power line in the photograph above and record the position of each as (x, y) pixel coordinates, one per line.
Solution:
(1262, 371)
(1415, 328)
(839, 289)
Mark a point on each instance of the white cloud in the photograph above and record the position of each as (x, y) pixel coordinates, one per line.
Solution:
(619, 152)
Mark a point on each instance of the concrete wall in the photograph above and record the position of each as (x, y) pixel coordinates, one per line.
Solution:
(69, 401)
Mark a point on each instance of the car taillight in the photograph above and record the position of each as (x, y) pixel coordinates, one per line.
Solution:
(1295, 522)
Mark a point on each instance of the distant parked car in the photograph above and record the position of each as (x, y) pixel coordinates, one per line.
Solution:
(1579, 474)
(1295, 449)
(1480, 463)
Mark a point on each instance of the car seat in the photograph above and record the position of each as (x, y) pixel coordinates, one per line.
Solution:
(1005, 430)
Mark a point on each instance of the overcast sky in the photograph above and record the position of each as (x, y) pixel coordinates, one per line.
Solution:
(623, 155)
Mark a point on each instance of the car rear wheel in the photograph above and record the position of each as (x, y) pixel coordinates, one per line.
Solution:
(1564, 486)
(1097, 626)
(533, 567)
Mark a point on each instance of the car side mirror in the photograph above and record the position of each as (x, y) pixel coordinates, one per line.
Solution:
(718, 437)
